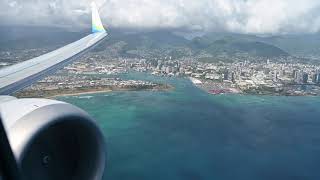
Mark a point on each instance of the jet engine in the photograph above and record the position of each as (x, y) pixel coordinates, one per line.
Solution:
(53, 140)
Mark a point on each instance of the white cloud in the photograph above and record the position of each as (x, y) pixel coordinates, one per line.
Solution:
(243, 16)
(12, 3)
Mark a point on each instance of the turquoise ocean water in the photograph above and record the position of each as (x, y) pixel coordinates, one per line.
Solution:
(187, 134)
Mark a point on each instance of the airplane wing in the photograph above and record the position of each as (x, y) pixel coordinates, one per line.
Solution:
(48, 139)
(21, 75)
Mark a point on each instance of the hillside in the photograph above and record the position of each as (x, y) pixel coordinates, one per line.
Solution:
(234, 46)
(133, 43)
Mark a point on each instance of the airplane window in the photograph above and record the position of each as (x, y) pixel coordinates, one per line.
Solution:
(197, 90)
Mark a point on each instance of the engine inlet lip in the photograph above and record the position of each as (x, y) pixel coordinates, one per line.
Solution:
(30, 126)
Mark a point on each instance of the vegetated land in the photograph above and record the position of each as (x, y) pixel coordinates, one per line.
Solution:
(252, 64)
(36, 93)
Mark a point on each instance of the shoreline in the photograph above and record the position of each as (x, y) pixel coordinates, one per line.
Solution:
(233, 91)
(52, 94)
(79, 93)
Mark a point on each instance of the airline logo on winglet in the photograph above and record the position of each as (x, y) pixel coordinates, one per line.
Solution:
(96, 21)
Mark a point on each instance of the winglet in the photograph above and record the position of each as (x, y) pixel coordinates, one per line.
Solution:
(96, 21)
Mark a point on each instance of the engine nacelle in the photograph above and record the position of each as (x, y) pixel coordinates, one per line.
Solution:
(53, 140)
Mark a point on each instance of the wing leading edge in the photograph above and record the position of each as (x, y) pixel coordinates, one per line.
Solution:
(18, 76)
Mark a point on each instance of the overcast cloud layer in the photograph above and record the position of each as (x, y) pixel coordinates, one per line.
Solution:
(240, 16)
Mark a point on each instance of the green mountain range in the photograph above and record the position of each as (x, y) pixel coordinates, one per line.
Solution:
(170, 44)
(234, 46)
(159, 43)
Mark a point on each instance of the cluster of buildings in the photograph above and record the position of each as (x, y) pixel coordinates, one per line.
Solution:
(67, 82)
(253, 75)
(8, 58)
(264, 77)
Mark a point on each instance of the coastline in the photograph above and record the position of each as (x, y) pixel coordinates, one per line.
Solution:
(52, 94)
(79, 93)
(221, 89)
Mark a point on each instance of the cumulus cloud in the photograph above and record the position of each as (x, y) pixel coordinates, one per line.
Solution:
(240, 16)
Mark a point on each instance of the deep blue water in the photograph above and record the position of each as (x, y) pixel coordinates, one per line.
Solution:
(187, 134)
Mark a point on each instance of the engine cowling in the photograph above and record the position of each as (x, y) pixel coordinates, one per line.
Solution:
(53, 140)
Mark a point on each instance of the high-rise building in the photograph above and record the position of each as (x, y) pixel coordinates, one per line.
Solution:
(298, 76)
(315, 78)
(226, 75)
(275, 76)
(168, 69)
(233, 78)
(295, 74)
(305, 78)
